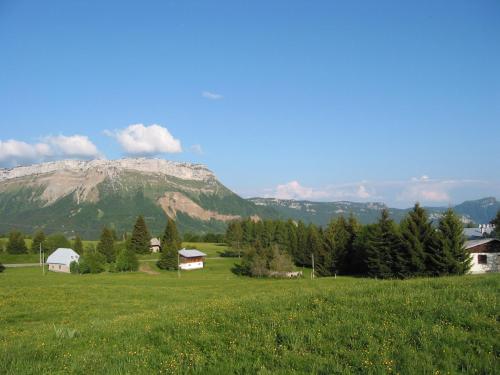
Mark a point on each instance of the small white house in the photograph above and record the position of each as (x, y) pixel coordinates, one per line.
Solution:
(155, 245)
(485, 255)
(191, 259)
(60, 260)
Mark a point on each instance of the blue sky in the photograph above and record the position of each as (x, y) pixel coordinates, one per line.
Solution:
(327, 100)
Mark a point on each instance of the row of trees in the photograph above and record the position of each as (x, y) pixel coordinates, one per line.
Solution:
(415, 247)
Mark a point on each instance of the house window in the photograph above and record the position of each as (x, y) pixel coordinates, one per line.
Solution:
(482, 259)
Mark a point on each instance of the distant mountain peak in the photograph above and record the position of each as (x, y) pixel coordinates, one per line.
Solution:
(182, 170)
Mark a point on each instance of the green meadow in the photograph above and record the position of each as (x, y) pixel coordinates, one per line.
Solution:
(214, 322)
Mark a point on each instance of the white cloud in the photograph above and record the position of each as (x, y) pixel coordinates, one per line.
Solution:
(294, 190)
(146, 140)
(211, 95)
(73, 146)
(197, 149)
(14, 152)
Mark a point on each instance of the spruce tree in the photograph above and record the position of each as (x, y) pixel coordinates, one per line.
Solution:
(315, 247)
(292, 238)
(106, 245)
(38, 239)
(139, 241)
(353, 228)
(16, 244)
(281, 234)
(171, 244)
(392, 258)
(419, 243)
(452, 241)
(337, 239)
(78, 245)
(300, 257)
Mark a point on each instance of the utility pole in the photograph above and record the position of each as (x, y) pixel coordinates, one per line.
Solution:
(312, 274)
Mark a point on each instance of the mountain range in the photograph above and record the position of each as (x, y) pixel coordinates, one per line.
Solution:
(72, 196)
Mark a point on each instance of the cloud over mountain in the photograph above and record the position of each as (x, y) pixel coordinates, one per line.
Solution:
(138, 139)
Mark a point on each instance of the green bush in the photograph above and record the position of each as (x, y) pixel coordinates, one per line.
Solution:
(127, 261)
(74, 267)
(92, 262)
(2, 268)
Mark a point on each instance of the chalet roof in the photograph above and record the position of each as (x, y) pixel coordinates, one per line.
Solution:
(473, 243)
(191, 253)
(154, 242)
(63, 256)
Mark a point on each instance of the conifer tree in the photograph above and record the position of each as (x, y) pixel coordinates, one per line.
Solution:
(419, 241)
(106, 245)
(139, 241)
(301, 257)
(315, 246)
(16, 244)
(392, 259)
(248, 232)
(234, 235)
(78, 245)
(337, 238)
(292, 238)
(452, 243)
(171, 244)
(353, 228)
(38, 239)
(281, 234)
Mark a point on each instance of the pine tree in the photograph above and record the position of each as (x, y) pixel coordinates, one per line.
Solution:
(139, 241)
(78, 245)
(292, 238)
(337, 238)
(234, 235)
(171, 244)
(419, 240)
(281, 234)
(452, 243)
(300, 257)
(353, 228)
(315, 247)
(16, 244)
(392, 259)
(38, 239)
(106, 245)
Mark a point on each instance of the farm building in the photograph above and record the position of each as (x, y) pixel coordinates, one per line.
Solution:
(191, 259)
(482, 231)
(485, 255)
(155, 245)
(60, 260)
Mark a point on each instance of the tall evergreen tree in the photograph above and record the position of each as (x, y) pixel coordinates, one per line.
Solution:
(337, 239)
(315, 247)
(420, 243)
(38, 241)
(382, 249)
(452, 241)
(16, 244)
(78, 245)
(281, 235)
(234, 235)
(106, 245)
(292, 238)
(171, 244)
(301, 256)
(353, 228)
(139, 241)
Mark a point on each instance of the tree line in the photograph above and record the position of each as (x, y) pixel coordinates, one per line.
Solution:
(385, 249)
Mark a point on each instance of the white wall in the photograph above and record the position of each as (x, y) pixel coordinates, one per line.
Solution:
(493, 264)
(58, 268)
(191, 266)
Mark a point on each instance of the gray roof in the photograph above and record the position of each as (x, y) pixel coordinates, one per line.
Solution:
(191, 253)
(474, 243)
(476, 232)
(63, 256)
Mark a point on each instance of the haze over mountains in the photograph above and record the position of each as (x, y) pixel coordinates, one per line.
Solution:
(73, 196)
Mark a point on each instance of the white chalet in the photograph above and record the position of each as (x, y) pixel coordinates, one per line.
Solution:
(485, 255)
(191, 259)
(60, 260)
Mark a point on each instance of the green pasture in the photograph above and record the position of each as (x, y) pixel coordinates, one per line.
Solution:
(214, 322)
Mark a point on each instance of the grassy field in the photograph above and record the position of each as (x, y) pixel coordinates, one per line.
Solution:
(211, 321)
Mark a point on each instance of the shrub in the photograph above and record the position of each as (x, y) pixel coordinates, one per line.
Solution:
(127, 261)
(74, 267)
(2, 268)
(92, 262)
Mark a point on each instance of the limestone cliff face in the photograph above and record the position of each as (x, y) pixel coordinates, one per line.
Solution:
(113, 192)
